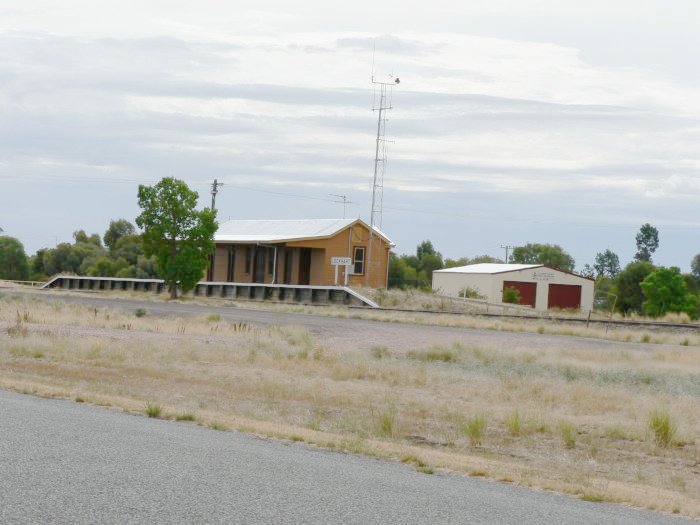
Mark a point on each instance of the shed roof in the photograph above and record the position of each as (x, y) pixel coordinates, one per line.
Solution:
(489, 268)
(266, 230)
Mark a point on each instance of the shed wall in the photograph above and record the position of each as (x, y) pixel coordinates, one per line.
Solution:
(491, 285)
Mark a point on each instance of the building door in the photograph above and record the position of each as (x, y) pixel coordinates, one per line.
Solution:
(528, 291)
(259, 265)
(304, 265)
(564, 296)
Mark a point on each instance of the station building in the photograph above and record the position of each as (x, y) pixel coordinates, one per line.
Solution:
(316, 252)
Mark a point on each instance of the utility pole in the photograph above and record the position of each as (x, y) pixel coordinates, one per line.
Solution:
(214, 190)
(506, 248)
(344, 201)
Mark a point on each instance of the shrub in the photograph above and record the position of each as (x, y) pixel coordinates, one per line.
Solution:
(470, 293)
(139, 312)
(511, 295)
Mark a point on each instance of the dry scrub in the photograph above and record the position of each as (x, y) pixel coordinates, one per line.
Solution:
(575, 420)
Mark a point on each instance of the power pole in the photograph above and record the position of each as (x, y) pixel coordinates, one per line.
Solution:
(506, 248)
(344, 201)
(214, 190)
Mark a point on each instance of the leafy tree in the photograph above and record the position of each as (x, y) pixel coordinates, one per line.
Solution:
(36, 264)
(425, 248)
(180, 237)
(647, 242)
(401, 274)
(627, 285)
(665, 291)
(587, 271)
(81, 237)
(464, 261)
(604, 294)
(695, 267)
(128, 247)
(607, 263)
(116, 230)
(454, 263)
(550, 254)
(14, 264)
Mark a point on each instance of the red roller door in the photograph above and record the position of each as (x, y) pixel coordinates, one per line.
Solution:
(528, 291)
(564, 296)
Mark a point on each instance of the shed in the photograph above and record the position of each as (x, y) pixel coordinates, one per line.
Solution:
(302, 252)
(539, 286)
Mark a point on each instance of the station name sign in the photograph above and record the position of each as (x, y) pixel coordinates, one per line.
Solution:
(341, 261)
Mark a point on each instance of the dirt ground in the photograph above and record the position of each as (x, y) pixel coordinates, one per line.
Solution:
(561, 412)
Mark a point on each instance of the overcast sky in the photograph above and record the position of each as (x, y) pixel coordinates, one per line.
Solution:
(515, 121)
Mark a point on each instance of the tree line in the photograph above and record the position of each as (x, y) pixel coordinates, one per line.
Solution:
(639, 287)
(175, 244)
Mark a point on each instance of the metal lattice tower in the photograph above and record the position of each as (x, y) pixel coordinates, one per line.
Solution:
(381, 106)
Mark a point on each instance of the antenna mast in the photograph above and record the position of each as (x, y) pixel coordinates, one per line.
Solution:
(214, 190)
(385, 95)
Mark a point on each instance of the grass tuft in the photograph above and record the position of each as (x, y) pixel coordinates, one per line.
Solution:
(475, 429)
(387, 422)
(186, 416)
(153, 410)
(380, 352)
(140, 312)
(514, 423)
(568, 433)
(215, 425)
(662, 427)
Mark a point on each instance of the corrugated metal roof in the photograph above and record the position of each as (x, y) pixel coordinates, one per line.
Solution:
(489, 268)
(284, 230)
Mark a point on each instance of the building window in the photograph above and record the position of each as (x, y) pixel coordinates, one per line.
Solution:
(248, 259)
(358, 260)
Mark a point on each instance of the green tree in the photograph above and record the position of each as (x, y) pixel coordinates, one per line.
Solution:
(665, 291)
(627, 286)
(695, 267)
(647, 242)
(81, 237)
(180, 237)
(607, 263)
(128, 247)
(401, 274)
(116, 230)
(14, 264)
(36, 263)
(550, 254)
(425, 248)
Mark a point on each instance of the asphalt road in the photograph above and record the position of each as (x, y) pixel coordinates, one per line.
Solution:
(62, 462)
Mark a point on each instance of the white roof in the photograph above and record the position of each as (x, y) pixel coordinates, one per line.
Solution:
(489, 268)
(284, 230)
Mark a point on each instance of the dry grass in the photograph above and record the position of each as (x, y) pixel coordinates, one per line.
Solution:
(568, 419)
